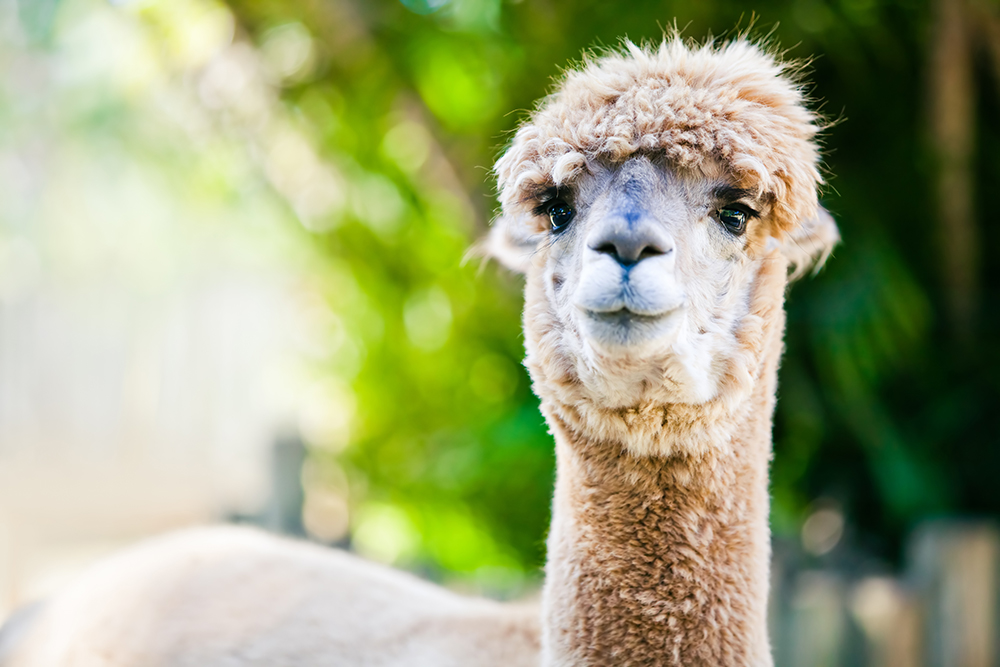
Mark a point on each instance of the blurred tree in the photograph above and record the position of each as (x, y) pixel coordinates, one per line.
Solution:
(436, 430)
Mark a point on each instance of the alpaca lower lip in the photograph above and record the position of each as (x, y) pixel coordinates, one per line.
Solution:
(624, 328)
(624, 316)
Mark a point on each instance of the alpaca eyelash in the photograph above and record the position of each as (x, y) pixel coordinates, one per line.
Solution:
(729, 196)
(540, 209)
(751, 213)
(547, 196)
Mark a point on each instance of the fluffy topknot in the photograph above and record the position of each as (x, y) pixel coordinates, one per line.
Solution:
(734, 104)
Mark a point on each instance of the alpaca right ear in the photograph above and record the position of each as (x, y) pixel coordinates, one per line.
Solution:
(511, 242)
(808, 247)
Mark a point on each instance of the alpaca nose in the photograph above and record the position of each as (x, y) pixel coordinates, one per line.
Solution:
(629, 245)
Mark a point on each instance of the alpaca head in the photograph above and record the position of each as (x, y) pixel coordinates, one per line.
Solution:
(643, 200)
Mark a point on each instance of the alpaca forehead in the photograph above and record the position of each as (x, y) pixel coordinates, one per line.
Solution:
(646, 178)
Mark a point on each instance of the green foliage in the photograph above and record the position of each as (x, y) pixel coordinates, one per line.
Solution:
(449, 461)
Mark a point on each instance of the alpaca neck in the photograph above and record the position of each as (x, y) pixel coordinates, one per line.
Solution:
(664, 560)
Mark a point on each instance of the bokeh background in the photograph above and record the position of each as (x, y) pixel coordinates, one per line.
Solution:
(233, 281)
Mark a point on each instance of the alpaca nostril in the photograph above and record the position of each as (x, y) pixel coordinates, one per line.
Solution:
(607, 249)
(650, 251)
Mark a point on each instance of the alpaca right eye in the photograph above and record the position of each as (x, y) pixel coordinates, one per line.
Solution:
(560, 214)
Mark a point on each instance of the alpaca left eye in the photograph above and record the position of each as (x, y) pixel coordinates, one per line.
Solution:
(560, 214)
(734, 219)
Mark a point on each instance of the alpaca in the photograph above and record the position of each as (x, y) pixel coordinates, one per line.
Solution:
(658, 203)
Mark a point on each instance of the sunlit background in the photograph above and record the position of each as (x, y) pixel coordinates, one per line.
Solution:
(233, 288)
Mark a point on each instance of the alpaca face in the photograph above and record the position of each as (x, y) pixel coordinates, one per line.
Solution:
(646, 273)
(655, 200)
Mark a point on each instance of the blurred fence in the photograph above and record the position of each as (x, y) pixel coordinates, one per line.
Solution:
(942, 611)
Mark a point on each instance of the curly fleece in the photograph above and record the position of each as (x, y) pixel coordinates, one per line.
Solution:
(735, 105)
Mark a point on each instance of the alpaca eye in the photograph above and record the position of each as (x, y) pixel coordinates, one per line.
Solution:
(735, 219)
(560, 213)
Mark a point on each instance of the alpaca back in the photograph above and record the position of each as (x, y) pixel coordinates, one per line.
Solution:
(238, 597)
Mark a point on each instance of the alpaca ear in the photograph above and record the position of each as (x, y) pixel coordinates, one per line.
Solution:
(808, 247)
(511, 242)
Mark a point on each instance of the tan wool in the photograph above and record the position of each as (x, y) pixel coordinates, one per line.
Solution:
(733, 104)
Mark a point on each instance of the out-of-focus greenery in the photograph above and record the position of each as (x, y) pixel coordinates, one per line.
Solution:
(880, 408)
(428, 420)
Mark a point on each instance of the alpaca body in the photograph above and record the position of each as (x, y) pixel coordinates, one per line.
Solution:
(237, 597)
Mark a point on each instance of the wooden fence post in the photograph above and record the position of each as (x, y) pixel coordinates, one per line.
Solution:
(283, 513)
(817, 626)
(954, 567)
(889, 616)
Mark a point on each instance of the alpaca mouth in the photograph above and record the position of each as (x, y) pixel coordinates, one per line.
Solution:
(627, 328)
(624, 316)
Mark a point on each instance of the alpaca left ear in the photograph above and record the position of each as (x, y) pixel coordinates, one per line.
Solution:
(810, 244)
(511, 242)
